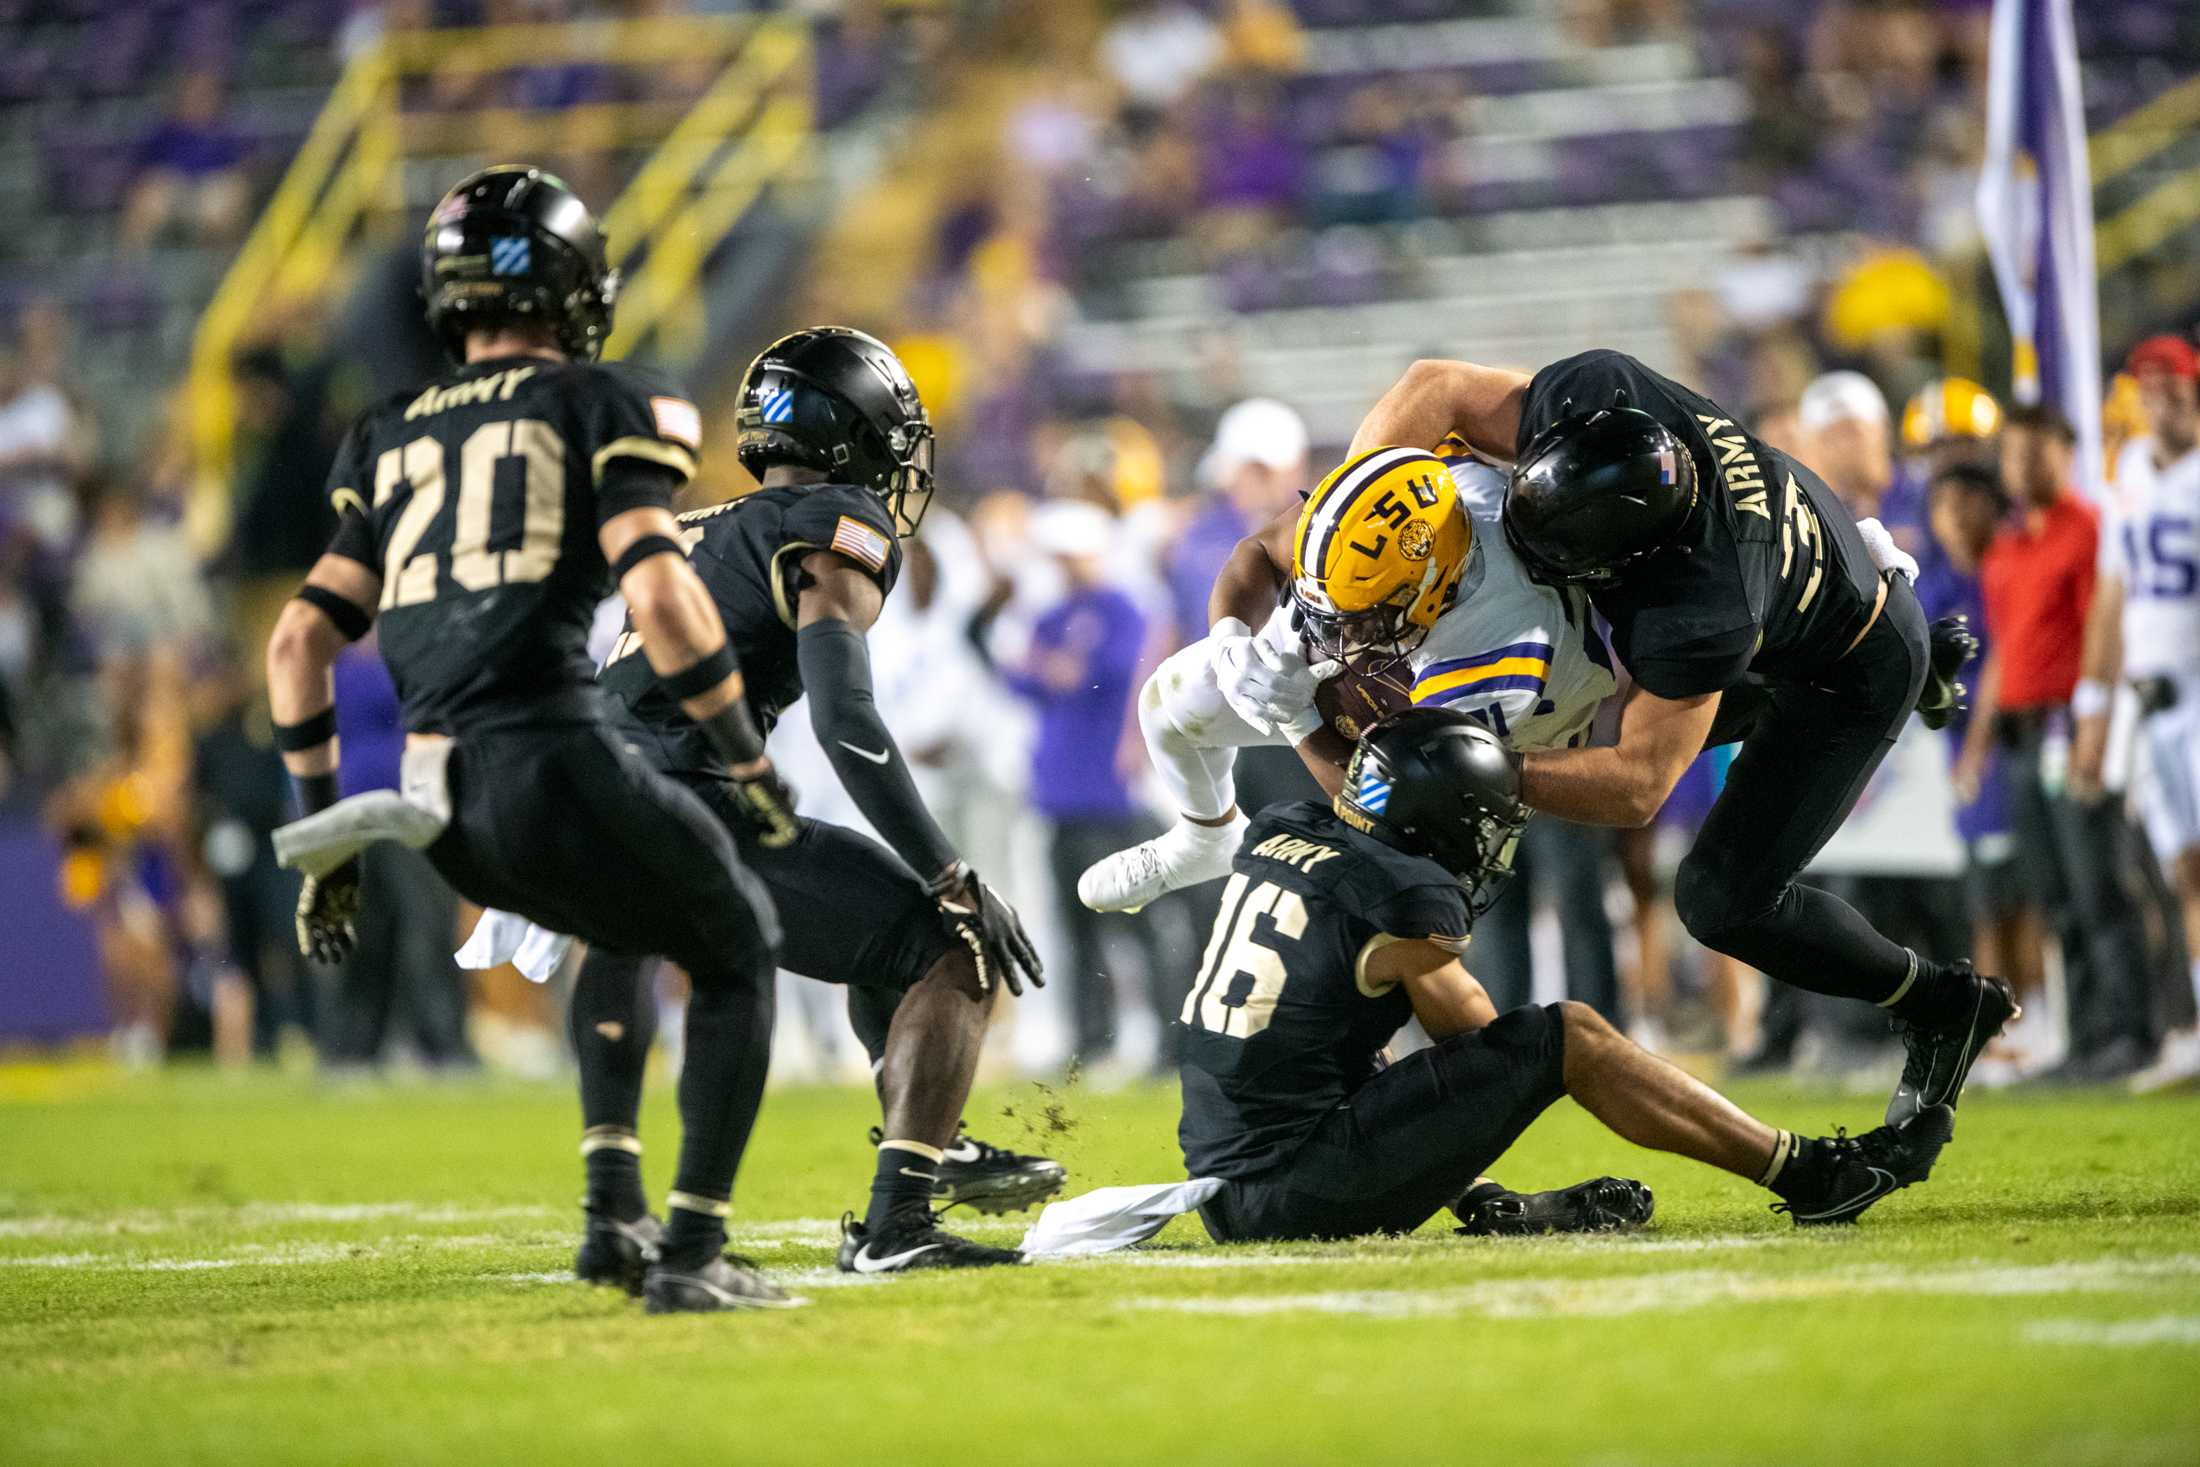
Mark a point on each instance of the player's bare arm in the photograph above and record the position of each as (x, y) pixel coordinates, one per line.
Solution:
(1436, 398)
(1251, 581)
(687, 647)
(2098, 672)
(1624, 783)
(333, 608)
(1446, 998)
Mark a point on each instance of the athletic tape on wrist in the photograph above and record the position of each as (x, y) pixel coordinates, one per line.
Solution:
(2090, 698)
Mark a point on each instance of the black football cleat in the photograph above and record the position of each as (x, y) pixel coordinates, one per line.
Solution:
(987, 1178)
(1950, 644)
(1600, 1205)
(1834, 1179)
(918, 1243)
(1939, 1059)
(724, 1283)
(618, 1253)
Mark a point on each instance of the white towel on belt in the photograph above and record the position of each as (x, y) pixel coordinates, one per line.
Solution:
(507, 937)
(1109, 1218)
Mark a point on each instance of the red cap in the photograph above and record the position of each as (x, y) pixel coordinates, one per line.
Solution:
(2171, 354)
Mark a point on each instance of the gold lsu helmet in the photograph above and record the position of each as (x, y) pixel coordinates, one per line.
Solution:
(1953, 407)
(1380, 548)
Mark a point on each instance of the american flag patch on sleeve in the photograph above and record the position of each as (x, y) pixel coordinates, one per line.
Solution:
(859, 542)
(677, 419)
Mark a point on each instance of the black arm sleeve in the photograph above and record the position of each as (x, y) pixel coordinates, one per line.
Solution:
(629, 483)
(836, 676)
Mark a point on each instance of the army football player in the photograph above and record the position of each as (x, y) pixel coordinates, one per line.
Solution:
(833, 430)
(1393, 575)
(478, 519)
(1746, 605)
(1340, 923)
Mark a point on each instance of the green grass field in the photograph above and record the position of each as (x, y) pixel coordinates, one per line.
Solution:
(199, 1269)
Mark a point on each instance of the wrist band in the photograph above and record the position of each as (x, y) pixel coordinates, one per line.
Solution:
(344, 614)
(2090, 698)
(643, 549)
(315, 792)
(700, 676)
(309, 732)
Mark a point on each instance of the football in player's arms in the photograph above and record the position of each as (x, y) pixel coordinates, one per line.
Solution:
(1390, 586)
(1747, 604)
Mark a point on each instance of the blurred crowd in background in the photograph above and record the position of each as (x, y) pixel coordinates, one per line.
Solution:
(1088, 498)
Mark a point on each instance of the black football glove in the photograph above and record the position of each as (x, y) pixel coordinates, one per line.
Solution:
(1950, 644)
(328, 908)
(990, 928)
(768, 802)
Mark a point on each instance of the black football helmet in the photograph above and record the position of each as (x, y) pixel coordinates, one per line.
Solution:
(1436, 782)
(838, 401)
(513, 243)
(1595, 492)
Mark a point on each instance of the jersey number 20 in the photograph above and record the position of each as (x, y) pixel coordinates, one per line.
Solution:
(1240, 975)
(409, 578)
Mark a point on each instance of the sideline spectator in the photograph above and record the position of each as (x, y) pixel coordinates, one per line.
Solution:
(1966, 506)
(1844, 418)
(1082, 671)
(2146, 630)
(192, 163)
(2038, 576)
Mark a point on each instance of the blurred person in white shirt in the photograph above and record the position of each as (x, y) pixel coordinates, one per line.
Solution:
(2144, 629)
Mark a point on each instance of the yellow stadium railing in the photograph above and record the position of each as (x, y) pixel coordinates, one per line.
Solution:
(709, 160)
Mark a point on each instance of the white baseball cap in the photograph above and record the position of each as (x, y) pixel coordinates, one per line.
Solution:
(1070, 527)
(1259, 430)
(1841, 397)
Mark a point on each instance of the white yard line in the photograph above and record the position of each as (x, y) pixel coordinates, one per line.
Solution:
(1691, 1289)
(262, 1214)
(2166, 1329)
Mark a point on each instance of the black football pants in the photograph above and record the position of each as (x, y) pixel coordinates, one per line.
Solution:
(1808, 750)
(569, 828)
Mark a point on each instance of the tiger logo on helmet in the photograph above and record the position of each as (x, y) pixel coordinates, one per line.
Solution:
(1380, 549)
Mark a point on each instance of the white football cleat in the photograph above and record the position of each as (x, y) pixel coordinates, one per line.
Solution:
(1184, 855)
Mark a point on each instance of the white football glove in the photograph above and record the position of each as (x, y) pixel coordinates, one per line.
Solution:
(1270, 687)
(1886, 555)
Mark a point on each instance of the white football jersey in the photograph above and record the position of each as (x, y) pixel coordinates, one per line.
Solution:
(1524, 658)
(2151, 540)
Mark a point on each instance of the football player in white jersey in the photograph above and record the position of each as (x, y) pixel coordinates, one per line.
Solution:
(1392, 585)
(2145, 629)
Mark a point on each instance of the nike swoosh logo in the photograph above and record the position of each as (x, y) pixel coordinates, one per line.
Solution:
(879, 758)
(1883, 1182)
(865, 1263)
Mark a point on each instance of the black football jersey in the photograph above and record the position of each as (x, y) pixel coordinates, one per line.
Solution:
(1281, 1025)
(1772, 578)
(478, 501)
(749, 552)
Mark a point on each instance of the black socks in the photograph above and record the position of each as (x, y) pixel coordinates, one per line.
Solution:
(613, 1158)
(907, 1173)
(1933, 995)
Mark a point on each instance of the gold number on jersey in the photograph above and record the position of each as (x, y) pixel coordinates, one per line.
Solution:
(407, 578)
(1234, 952)
(1801, 528)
